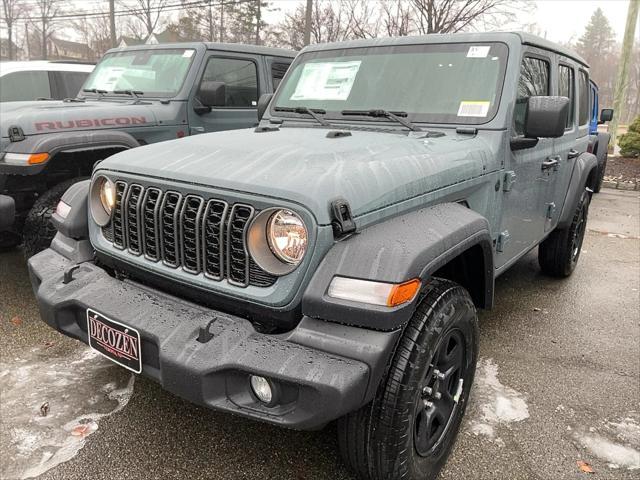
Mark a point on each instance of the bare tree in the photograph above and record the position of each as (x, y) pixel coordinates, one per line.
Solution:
(46, 11)
(95, 32)
(452, 16)
(147, 12)
(12, 11)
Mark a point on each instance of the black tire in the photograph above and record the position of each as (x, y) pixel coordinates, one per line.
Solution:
(384, 440)
(559, 253)
(9, 240)
(601, 172)
(38, 229)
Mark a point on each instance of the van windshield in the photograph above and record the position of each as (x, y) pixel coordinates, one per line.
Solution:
(435, 83)
(155, 73)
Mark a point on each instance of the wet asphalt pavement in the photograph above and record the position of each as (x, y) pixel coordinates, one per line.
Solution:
(558, 382)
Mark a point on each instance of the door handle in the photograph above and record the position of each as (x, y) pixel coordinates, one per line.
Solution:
(573, 153)
(195, 130)
(551, 162)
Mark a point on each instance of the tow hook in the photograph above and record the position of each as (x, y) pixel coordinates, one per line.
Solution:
(204, 334)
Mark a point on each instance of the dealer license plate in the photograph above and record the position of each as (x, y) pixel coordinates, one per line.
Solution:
(116, 341)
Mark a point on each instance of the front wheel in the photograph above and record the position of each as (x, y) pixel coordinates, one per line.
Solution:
(38, 228)
(407, 431)
(558, 255)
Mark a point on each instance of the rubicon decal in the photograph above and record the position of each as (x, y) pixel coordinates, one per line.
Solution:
(114, 340)
(90, 122)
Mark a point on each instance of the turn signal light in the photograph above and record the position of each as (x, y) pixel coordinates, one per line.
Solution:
(37, 158)
(403, 293)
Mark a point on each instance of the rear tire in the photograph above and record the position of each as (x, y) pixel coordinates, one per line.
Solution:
(558, 255)
(601, 172)
(409, 428)
(38, 229)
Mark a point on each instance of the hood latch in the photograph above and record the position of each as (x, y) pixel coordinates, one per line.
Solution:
(16, 134)
(342, 218)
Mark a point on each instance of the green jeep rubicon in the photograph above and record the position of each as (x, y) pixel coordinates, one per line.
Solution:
(328, 264)
(135, 96)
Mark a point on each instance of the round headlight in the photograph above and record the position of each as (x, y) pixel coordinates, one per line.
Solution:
(287, 236)
(108, 195)
(102, 200)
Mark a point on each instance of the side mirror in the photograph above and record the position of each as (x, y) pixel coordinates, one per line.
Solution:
(606, 115)
(212, 94)
(546, 117)
(263, 103)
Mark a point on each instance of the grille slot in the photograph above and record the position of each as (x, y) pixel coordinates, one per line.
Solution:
(149, 214)
(190, 225)
(131, 213)
(202, 236)
(169, 228)
(213, 239)
(237, 255)
(117, 222)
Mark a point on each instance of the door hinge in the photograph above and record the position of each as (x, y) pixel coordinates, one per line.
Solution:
(503, 239)
(342, 218)
(509, 180)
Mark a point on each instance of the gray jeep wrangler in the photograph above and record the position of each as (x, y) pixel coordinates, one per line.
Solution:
(328, 264)
(135, 96)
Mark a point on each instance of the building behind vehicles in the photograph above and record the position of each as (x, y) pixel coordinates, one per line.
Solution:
(599, 144)
(329, 263)
(41, 80)
(135, 96)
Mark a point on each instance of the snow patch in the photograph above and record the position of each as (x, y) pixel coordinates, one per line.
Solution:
(493, 404)
(616, 443)
(80, 386)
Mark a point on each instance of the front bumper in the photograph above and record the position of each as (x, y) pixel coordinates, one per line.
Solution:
(323, 370)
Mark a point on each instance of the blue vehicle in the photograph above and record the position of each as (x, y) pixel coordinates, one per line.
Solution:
(599, 143)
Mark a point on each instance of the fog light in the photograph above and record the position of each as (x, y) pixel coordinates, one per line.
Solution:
(262, 389)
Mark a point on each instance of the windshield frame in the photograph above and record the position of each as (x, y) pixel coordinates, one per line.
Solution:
(333, 115)
(145, 95)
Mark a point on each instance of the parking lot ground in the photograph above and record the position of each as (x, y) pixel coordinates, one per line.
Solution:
(558, 383)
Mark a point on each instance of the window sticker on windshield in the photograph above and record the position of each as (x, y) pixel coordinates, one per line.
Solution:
(108, 77)
(326, 81)
(477, 51)
(187, 53)
(473, 109)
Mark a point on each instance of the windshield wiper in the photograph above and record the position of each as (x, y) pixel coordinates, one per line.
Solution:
(133, 93)
(315, 113)
(97, 91)
(384, 114)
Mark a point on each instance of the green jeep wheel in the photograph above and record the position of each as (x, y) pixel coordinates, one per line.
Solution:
(407, 431)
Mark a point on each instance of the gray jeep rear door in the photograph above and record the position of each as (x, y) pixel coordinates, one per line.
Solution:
(240, 73)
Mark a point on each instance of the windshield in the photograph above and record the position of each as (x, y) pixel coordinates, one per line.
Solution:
(155, 73)
(436, 83)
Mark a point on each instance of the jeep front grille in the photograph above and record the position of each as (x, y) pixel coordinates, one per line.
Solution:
(201, 236)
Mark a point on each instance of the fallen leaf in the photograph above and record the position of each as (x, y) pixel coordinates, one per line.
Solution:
(585, 467)
(49, 344)
(16, 321)
(536, 309)
(44, 409)
(80, 430)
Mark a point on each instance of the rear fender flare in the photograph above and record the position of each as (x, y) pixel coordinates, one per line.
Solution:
(413, 245)
(586, 165)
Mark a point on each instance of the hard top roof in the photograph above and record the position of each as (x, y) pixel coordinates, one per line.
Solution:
(230, 47)
(521, 37)
(44, 65)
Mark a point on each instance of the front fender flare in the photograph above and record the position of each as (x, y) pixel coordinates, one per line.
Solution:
(54, 143)
(413, 245)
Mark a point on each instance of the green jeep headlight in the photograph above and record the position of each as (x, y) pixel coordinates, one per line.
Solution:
(102, 200)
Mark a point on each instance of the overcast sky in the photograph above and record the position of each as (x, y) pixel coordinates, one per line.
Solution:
(558, 20)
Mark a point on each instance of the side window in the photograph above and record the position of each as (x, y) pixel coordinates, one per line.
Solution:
(72, 82)
(278, 69)
(534, 81)
(19, 86)
(567, 88)
(240, 78)
(583, 105)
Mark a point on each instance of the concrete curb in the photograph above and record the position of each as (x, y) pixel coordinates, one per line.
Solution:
(620, 185)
